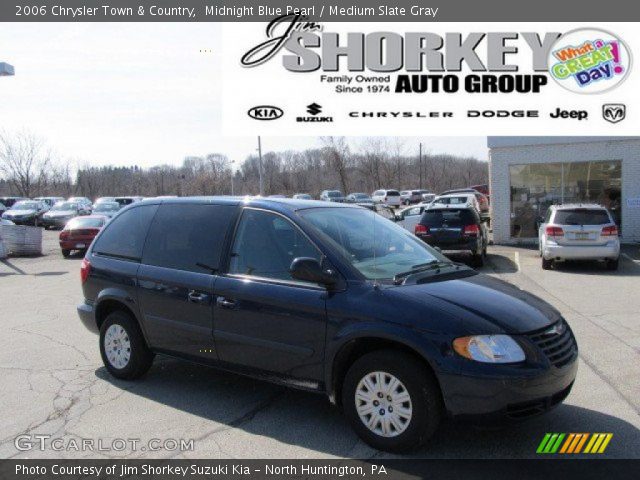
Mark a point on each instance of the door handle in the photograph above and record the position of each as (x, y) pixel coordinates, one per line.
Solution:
(225, 302)
(198, 297)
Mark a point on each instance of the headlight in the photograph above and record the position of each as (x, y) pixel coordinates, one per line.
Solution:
(489, 349)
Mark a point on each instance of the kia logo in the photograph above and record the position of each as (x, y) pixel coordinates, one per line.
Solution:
(265, 112)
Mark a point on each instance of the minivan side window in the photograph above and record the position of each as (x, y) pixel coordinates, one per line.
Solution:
(124, 236)
(266, 244)
(188, 236)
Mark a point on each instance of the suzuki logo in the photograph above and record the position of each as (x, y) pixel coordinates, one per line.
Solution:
(314, 109)
(614, 112)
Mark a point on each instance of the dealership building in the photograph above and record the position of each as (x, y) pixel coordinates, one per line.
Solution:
(528, 174)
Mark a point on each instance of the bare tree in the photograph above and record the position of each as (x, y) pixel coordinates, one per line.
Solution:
(24, 161)
(338, 157)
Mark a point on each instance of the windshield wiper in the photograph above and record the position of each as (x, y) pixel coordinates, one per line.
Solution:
(399, 278)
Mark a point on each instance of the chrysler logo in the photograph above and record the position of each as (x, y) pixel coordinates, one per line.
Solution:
(556, 329)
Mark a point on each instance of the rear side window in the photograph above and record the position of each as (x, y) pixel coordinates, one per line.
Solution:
(450, 217)
(188, 237)
(124, 236)
(582, 216)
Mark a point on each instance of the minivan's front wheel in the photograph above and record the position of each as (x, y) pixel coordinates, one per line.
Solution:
(392, 402)
(122, 347)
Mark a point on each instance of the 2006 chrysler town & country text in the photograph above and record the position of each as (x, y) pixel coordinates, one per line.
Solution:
(326, 297)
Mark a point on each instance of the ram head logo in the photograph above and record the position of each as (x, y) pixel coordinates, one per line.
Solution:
(614, 112)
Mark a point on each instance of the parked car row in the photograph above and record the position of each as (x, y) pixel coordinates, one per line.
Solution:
(55, 212)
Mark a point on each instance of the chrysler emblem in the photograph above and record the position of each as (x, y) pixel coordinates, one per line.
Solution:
(556, 329)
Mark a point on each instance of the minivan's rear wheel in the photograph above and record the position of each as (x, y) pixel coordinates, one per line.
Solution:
(391, 400)
(122, 347)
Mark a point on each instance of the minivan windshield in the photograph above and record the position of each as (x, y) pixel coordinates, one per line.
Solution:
(378, 248)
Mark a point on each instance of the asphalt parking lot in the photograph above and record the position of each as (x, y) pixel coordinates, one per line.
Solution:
(54, 383)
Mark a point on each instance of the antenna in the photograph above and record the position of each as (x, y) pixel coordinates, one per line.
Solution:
(375, 260)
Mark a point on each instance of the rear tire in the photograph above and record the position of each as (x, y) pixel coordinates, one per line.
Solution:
(613, 264)
(123, 349)
(66, 253)
(416, 395)
(477, 260)
(547, 264)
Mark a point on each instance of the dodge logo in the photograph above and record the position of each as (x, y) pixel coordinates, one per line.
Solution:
(614, 112)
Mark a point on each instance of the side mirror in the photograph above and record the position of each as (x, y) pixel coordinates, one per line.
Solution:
(309, 270)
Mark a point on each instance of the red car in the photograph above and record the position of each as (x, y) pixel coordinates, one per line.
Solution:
(80, 232)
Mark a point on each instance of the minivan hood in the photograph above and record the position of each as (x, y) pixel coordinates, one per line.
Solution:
(484, 304)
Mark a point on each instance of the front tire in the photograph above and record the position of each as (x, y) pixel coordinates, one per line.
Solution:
(66, 253)
(613, 264)
(392, 401)
(123, 348)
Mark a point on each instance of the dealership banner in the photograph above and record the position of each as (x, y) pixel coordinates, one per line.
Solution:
(314, 78)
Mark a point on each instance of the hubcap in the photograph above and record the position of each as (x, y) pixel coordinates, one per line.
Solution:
(117, 346)
(383, 404)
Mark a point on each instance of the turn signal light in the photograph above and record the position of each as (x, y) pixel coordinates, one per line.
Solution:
(551, 231)
(611, 231)
(85, 269)
(421, 230)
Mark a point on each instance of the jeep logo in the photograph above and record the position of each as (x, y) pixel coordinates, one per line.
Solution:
(265, 112)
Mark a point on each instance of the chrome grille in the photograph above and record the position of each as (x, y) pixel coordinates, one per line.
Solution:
(557, 343)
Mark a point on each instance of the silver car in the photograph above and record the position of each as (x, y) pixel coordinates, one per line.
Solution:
(579, 232)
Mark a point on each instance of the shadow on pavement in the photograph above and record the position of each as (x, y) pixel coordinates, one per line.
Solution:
(308, 420)
(626, 268)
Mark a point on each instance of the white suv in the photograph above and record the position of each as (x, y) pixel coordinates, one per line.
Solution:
(388, 197)
(579, 232)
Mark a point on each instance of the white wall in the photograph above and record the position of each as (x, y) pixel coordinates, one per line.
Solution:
(521, 151)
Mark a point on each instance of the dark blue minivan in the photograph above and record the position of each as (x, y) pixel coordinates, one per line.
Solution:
(331, 298)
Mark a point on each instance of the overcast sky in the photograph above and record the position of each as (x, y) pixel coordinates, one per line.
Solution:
(137, 93)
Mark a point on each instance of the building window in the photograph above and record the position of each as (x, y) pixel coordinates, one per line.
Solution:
(534, 187)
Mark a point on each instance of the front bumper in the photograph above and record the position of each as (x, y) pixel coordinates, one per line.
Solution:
(582, 252)
(55, 221)
(21, 220)
(508, 396)
(86, 312)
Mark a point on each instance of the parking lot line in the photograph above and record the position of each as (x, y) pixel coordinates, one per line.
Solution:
(628, 257)
(517, 260)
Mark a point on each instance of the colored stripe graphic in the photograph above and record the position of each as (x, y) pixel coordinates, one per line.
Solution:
(550, 443)
(573, 443)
